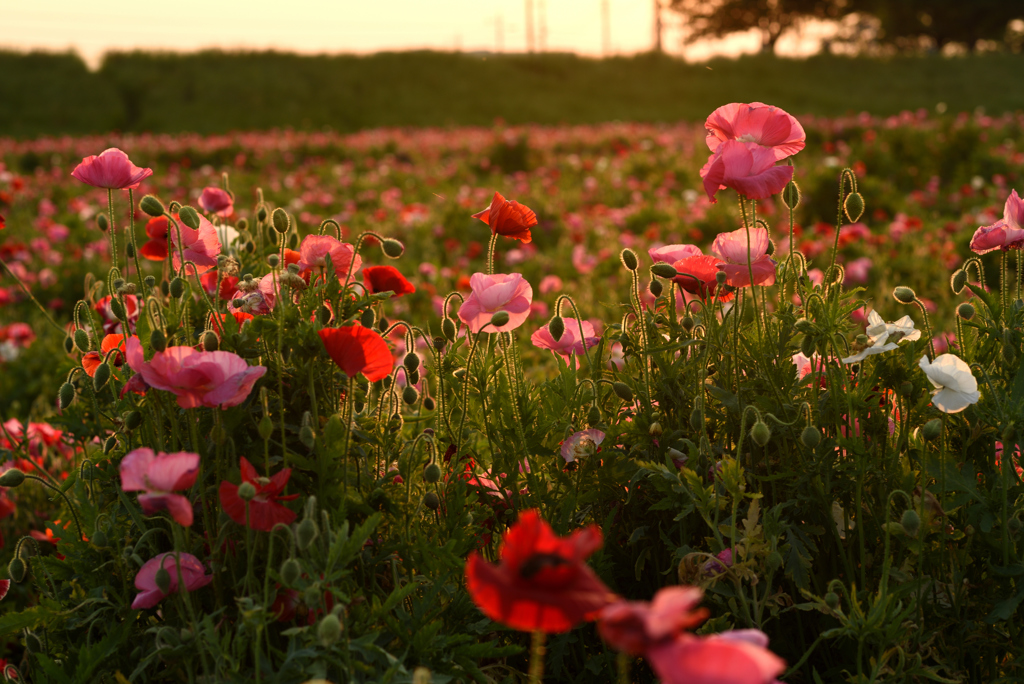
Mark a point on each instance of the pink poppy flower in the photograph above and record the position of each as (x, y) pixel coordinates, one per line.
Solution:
(673, 253)
(747, 168)
(636, 626)
(857, 271)
(212, 379)
(1000, 235)
(158, 475)
(507, 292)
(570, 342)
(193, 573)
(111, 169)
(716, 659)
(258, 301)
(581, 445)
(111, 324)
(550, 283)
(217, 201)
(199, 246)
(316, 249)
(740, 259)
(1013, 211)
(758, 123)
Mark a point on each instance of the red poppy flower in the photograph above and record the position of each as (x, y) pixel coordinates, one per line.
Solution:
(5, 586)
(92, 360)
(508, 218)
(264, 511)
(228, 285)
(698, 275)
(542, 582)
(3, 223)
(386, 278)
(358, 350)
(219, 321)
(155, 248)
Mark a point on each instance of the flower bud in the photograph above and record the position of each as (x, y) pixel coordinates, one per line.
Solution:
(101, 376)
(593, 415)
(853, 207)
(421, 675)
(82, 340)
(803, 326)
(210, 341)
(102, 222)
(281, 220)
(1013, 525)
(696, 419)
(329, 630)
(189, 216)
(721, 277)
(499, 319)
(290, 571)
(17, 569)
(382, 324)
(958, 281)
(409, 395)
(688, 323)
(129, 251)
(965, 311)
(33, 644)
(628, 258)
(247, 491)
(904, 295)
(761, 433)
(448, 329)
(392, 248)
(117, 309)
(306, 533)
(556, 326)
(307, 436)
(69, 344)
(431, 501)
(411, 361)
(66, 395)
(157, 340)
(151, 206)
(774, 560)
(177, 287)
(911, 522)
(132, 420)
(265, 427)
(428, 404)
(12, 478)
(656, 288)
(432, 473)
(906, 388)
(261, 214)
(109, 445)
(810, 437)
(163, 580)
(655, 429)
(832, 600)
(932, 429)
(622, 391)
(1009, 432)
(664, 270)
(174, 206)
(791, 194)
(771, 245)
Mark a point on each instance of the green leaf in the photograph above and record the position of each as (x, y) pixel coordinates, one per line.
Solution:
(26, 619)
(1004, 610)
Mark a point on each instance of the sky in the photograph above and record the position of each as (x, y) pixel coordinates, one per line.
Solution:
(92, 27)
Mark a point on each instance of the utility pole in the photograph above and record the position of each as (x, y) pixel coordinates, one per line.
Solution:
(542, 25)
(606, 29)
(657, 27)
(529, 25)
(499, 33)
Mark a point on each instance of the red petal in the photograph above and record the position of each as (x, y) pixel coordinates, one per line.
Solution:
(386, 278)
(231, 502)
(358, 350)
(249, 473)
(5, 586)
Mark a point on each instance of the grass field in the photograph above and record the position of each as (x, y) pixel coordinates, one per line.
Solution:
(214, 92)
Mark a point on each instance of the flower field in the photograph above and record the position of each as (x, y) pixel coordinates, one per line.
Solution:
(624, 402)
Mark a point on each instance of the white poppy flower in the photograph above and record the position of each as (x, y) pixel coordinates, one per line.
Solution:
(878, 332)
(955, 385)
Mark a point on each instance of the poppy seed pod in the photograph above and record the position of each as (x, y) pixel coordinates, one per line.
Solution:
(329, 630)
(102, 222)
(432, 473)
(664, 270)
(82, 341)
(274, 260)
(629, 260)
(721, 277)
(911, 522)
(810, 437)
(499, 319)
(150, 281)
(904, 295)
(151, 206)
(177, 287)
(281, 220)
(66, 395)
(163, 580)
(392, 248)
(853, 207)
(761, 433)
(656, 288)
(932, 429)
(17, 569)
(189, 216)
(101, 376)
(556, 326)
(431, 501)
(958, 280)
(791, 194)
(157, 340)
(440, 343)
(448, 329)
(306, 533)
(290, 571)
(12, 478)
(965, 311)
(622, 391)
(410, 395)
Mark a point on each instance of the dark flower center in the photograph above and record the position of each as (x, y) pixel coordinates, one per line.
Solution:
(538, 562)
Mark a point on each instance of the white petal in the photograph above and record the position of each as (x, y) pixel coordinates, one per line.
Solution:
(951, 401)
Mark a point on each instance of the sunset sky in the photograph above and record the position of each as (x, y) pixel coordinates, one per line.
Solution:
(360, 26)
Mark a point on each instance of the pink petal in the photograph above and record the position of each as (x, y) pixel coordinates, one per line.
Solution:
(134, 466)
